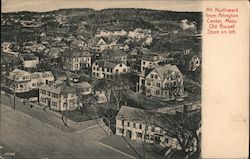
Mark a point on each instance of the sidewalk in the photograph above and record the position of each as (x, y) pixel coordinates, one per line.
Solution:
(132, 148)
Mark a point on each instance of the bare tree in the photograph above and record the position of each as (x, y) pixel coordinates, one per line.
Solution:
(182, 128)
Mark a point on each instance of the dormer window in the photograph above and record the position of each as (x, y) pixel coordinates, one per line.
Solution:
(120, 65)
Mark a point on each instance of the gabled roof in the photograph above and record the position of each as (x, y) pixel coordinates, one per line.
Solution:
(106, 64)
(59, 87)
(142, 116)
(41, 74)
(27, 57)
(17, 73)
(164, 71)
(114, 53)
(93, 41)
(78, 42)
(76, 53)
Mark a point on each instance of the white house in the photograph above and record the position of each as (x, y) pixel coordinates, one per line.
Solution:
(63, 95)
(165, 82)
(141, 125)
(194, 63)
(23, 81)
(149, 61)
(75, 60)
(29, 60)
(107, 69)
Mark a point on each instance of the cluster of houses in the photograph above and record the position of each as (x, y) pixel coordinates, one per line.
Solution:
(106, 55)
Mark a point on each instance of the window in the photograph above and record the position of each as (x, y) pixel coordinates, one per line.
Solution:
(87, 59)
(166, 140)
(97, 68)
(43, 92)
(21, 86)
(122, 122)
(148, 83)
(134, 125)
(43, 100)
(97, 74)
(143, 68)
(124, 70)
(111, 70)
(116, 71)
(121, 131)
(76, 65)
(140, 126)
(153, 129)
(139, 135)
(93, 73)
(128, 124)
(94, 68)
(107, 69)
(54, 103)
(103, 69)
(158, 84)
(120, 65)
(148, 91)
(156, 76)
(152, 76)
(87, 89)
(143, 62)
(157, 92)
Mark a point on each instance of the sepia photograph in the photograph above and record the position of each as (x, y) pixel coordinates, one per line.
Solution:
(101, 79)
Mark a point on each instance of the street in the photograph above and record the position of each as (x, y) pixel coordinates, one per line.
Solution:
(32, 138)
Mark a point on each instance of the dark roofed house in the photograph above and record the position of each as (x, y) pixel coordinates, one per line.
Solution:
(76, 59)
(115, 55)
(29, 60)
(62, 95)
(163, 82)
(133, 122)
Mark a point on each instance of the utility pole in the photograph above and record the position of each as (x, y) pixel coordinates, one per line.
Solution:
(14, 98)
(144, 141)
(66, 112)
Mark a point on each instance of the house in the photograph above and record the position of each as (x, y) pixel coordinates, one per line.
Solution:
(102, 45)
(120, 33)
(114, 55)
(79, 44)
(141, 125)
(108, 69)
(149, 60)
(75, 59)
(29, 60)
(139, 33)
(165, 82)
(42, 35)
(194, 63)
(22, 81)
(103, 33)
(6, 46)
(62, 95)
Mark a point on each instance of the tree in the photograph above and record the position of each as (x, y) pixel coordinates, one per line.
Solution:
(183, 128)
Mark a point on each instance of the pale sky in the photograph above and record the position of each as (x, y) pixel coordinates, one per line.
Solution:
(48, 5)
